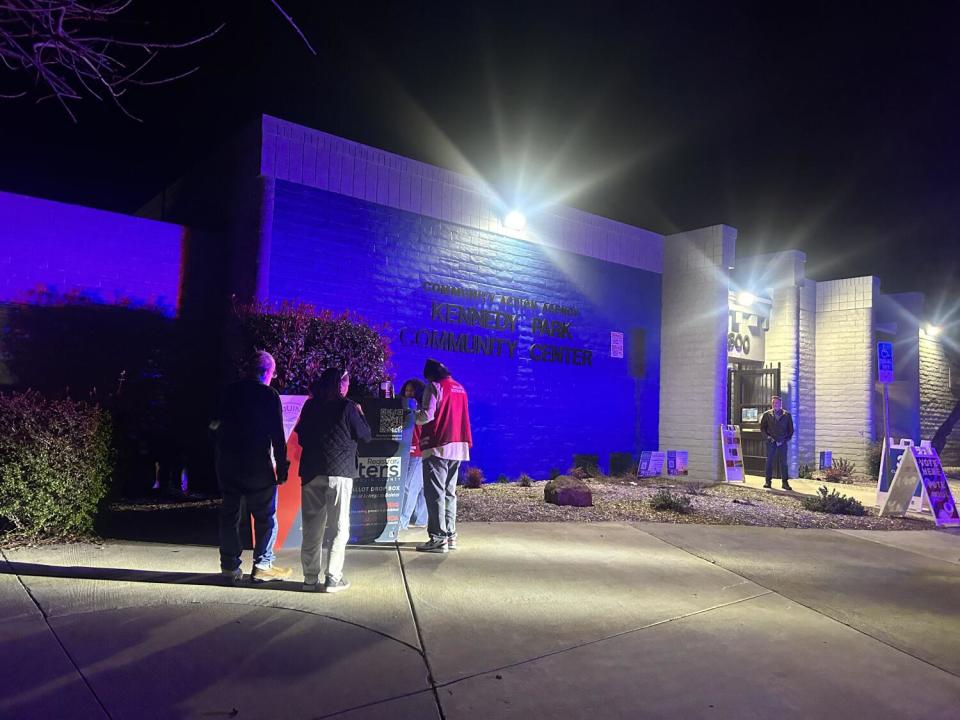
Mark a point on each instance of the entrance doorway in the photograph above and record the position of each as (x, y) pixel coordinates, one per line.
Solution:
(749, 388)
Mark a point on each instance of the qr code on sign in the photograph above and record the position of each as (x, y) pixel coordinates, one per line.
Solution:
(391, 421)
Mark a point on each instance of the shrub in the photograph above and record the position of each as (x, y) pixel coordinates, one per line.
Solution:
(305, 340)
(874, 453)
(588, 463)
(474, 477)
(693, 487)
(55, 463)
(553, 474)
(502, 479)
(525, 480)
(580, 473)
(622, 464)
(840, 471)
(666, 500)
(834, 503)
(805, 471)
(846, 468)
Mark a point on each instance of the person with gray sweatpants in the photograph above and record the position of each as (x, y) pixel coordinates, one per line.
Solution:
(445, 441)
(329, 428)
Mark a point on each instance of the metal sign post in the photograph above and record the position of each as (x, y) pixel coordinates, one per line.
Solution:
(885, 375)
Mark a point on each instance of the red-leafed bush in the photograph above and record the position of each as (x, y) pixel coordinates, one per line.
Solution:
(305, 340)
(473, 477)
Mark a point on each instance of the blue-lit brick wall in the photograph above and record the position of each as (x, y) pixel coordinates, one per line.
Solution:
(341, 253)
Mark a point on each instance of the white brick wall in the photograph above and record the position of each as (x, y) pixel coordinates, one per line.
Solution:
(936, 399)
(783, 347)
(317, 159)
(806, 440)
(791, 339)
(845, 367)
(693, 351)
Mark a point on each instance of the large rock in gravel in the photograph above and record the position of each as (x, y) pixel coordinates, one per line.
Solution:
(567, 490)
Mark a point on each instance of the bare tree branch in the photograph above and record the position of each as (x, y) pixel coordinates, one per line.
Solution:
(68, 51)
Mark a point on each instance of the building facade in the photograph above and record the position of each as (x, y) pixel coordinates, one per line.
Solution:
(574, 335)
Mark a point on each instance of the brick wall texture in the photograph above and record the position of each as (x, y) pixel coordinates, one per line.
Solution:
(693, 398)
(50, 251)
(531, 408)
(936, 399)
(844, 367)
(316, 159)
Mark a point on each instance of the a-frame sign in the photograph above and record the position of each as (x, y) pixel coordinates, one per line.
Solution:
(921, 464)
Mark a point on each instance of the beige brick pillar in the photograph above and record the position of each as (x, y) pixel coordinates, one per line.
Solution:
(693, 359)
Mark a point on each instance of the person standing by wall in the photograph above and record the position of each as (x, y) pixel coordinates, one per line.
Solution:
(414, 508)
(248, 425)
(776, 425)
(329, 429)
(445, 442)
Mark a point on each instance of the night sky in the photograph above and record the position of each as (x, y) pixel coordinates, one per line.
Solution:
(833, 131)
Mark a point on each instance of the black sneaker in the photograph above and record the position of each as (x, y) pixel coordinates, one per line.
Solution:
(335, 586)
(786, 486)
(768, 486)
(434, 546)
(451, 542)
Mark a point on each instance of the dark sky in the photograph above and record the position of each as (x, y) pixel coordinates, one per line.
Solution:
(830, 128)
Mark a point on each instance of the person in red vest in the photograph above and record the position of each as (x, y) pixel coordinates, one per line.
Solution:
(445, 442)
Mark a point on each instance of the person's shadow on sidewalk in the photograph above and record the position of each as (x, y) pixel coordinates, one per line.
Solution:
(80, 572)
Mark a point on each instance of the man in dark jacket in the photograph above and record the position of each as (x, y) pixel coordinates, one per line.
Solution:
(776, 425)
(249, 424)
(329, 429)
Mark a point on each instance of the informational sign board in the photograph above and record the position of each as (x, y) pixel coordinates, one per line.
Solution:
(377, 493)
(732, 450)
(616, 344)
(651, 463)
(885, 362)
(826, 459)
(376, 498)
(677, 462)
(922, 463)
(885, 480)
(935, 486)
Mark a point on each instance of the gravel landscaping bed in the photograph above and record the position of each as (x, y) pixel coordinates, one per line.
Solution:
(625, 500)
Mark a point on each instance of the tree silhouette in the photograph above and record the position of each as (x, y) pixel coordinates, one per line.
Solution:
(77, 49)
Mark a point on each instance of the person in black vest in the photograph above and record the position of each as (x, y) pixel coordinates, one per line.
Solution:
(329, 429)
(249, 423)
(776, 425)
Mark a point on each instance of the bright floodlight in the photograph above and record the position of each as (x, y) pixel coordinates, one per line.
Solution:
(746, 298)
(515, 220)
(932, 330)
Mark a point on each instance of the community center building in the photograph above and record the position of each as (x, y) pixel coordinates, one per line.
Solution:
(573, 333)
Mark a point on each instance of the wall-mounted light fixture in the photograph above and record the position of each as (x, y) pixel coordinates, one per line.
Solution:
(515, 220)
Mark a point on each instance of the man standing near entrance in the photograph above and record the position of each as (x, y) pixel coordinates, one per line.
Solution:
(248, 426)
(777, 428)
(445, 442)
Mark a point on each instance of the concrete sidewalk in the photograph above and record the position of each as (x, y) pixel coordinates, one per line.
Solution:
(524, 621)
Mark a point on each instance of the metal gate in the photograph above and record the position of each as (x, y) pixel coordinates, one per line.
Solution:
(749, 389)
